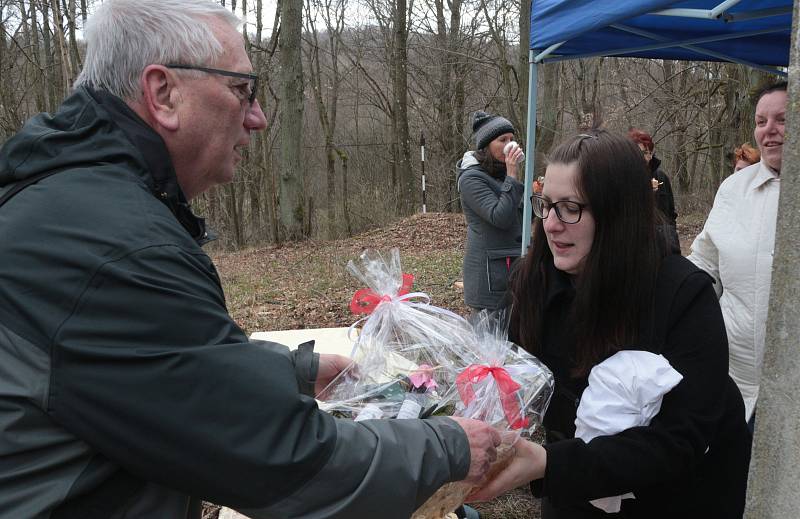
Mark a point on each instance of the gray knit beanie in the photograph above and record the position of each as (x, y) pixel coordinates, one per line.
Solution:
(488, 127)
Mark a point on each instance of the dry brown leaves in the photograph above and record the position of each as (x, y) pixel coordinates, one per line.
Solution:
(305, 284)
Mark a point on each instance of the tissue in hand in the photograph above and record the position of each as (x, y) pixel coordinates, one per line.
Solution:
(509, 147)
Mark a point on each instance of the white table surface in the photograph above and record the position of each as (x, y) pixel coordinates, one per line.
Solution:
(327, 340)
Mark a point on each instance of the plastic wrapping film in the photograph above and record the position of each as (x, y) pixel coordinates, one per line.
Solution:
(414, 360)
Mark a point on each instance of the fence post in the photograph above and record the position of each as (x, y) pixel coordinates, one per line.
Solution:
(422, 154)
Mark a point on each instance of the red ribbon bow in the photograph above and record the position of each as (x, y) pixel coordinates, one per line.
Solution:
(506, 386)
(365, 300)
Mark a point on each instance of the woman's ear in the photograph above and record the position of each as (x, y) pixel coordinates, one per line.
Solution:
(160, 96)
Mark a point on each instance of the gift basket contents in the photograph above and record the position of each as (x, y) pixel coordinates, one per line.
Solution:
(415, 360)
(500, 384)
(399, 361)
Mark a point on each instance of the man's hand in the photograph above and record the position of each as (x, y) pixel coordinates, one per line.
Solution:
(528, 463)
(483, 442)
(329, 367)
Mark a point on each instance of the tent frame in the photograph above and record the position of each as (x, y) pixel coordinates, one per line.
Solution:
(660, 42)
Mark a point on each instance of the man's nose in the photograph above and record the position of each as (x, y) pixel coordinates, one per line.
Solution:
(254, 119)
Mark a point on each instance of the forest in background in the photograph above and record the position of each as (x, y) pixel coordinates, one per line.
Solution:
(350, 87)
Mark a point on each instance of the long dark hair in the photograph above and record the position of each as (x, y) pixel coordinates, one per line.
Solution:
(489, 164)
(616, 285)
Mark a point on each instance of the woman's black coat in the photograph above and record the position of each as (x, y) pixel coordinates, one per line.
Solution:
(692, 460)
(665, 201)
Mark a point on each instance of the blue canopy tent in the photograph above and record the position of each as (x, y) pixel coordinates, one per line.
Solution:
(756, 33)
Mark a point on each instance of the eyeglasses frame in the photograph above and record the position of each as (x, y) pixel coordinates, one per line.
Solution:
(554, 205)
(220, 72)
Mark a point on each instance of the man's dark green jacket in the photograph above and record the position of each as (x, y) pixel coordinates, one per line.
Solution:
(122, 374)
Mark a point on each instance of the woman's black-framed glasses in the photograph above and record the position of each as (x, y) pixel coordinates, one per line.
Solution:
(252, 86)
(566, 210)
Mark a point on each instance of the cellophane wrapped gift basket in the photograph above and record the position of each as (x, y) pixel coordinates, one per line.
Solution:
(415, 360)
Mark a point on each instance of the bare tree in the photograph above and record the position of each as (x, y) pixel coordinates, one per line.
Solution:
(67, 68)
(325, 86)
(496, 21)
(75, 57)
(292, 203)
(522, 64)
(406, 199)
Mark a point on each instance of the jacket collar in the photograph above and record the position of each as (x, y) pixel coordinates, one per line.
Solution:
(558, 283)
(159, 163)
(763, 175)
(655, 162)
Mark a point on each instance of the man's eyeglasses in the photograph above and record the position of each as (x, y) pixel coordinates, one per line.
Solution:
(250, 89)
(566, 210)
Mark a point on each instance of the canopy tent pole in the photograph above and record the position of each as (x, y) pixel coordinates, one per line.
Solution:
(530, 147)
(701, 50)
(710, 14)
(688, 43)
(756, 15)
(721, 8)
(546, 52)
(665, 43)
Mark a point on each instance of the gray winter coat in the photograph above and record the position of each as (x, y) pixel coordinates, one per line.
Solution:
(494, 232)
(122, 376)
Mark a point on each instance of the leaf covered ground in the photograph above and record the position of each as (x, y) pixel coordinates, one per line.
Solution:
(306, 285)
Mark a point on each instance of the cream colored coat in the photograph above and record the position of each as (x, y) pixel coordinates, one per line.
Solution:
(736, 247)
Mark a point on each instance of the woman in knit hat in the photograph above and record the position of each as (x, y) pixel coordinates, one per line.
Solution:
(490, 197)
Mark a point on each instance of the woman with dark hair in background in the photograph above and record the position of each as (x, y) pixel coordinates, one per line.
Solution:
(596, 283)
(490, 197)
(661, 186)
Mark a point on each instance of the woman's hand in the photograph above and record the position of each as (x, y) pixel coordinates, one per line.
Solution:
(528, 463)
(513, 159)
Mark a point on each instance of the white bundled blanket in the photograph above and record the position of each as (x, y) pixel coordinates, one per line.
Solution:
(624, 391)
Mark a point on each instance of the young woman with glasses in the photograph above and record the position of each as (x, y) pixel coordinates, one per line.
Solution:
(594, 283)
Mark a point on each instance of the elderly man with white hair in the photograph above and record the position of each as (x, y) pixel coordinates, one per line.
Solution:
(126, 389)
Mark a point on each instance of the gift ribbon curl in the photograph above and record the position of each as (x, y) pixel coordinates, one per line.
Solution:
(506, 386)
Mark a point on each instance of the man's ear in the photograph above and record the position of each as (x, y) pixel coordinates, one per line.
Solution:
(160, 95)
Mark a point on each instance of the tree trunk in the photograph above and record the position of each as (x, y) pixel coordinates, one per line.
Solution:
(327, 105)
(508, 75)
(51, 88)
(444, 101)
(67, 71)
(292, 206)
(345, 209)
(547, 126)
(523, 66)
(678, 126)
(459, 96)
(36, 53)
(775, 466)
(232, 206)
(406, 199)
(75, 56)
